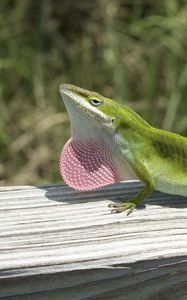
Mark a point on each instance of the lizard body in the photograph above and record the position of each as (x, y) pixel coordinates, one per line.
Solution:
(111, 143)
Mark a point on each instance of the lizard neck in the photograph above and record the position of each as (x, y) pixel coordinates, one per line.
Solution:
(92, 157)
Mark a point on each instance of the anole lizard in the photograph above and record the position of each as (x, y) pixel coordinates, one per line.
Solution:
(111, 143)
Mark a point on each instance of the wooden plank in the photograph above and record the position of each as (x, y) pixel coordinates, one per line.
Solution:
(57, 243)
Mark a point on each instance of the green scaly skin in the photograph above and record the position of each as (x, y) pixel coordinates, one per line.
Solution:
(158, 157)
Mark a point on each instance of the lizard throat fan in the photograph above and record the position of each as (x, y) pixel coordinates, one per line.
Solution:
(87, 165)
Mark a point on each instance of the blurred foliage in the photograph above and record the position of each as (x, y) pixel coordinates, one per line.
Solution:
(133, 51)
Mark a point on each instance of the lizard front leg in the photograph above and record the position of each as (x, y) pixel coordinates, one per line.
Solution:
(144, 175)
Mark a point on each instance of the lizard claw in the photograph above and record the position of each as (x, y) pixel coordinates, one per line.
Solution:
(118, 208)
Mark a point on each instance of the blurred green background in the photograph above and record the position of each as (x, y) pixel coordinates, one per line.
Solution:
(132, 51)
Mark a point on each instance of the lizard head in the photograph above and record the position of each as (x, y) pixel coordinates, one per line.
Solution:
(89, 107)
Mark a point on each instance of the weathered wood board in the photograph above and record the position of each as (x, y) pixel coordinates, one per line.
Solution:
(56, 243)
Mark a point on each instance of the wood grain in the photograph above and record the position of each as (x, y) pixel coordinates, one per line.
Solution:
(57, 243)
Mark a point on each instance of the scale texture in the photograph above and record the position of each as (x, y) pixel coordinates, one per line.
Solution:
(88, 165)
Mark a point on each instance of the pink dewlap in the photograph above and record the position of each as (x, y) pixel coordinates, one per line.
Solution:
(87, 165)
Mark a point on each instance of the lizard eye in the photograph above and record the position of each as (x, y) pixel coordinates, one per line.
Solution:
(95, 102)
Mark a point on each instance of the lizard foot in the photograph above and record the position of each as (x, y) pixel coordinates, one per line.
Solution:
(118, 208)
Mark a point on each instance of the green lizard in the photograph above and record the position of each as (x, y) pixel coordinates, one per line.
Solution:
(111, 143)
